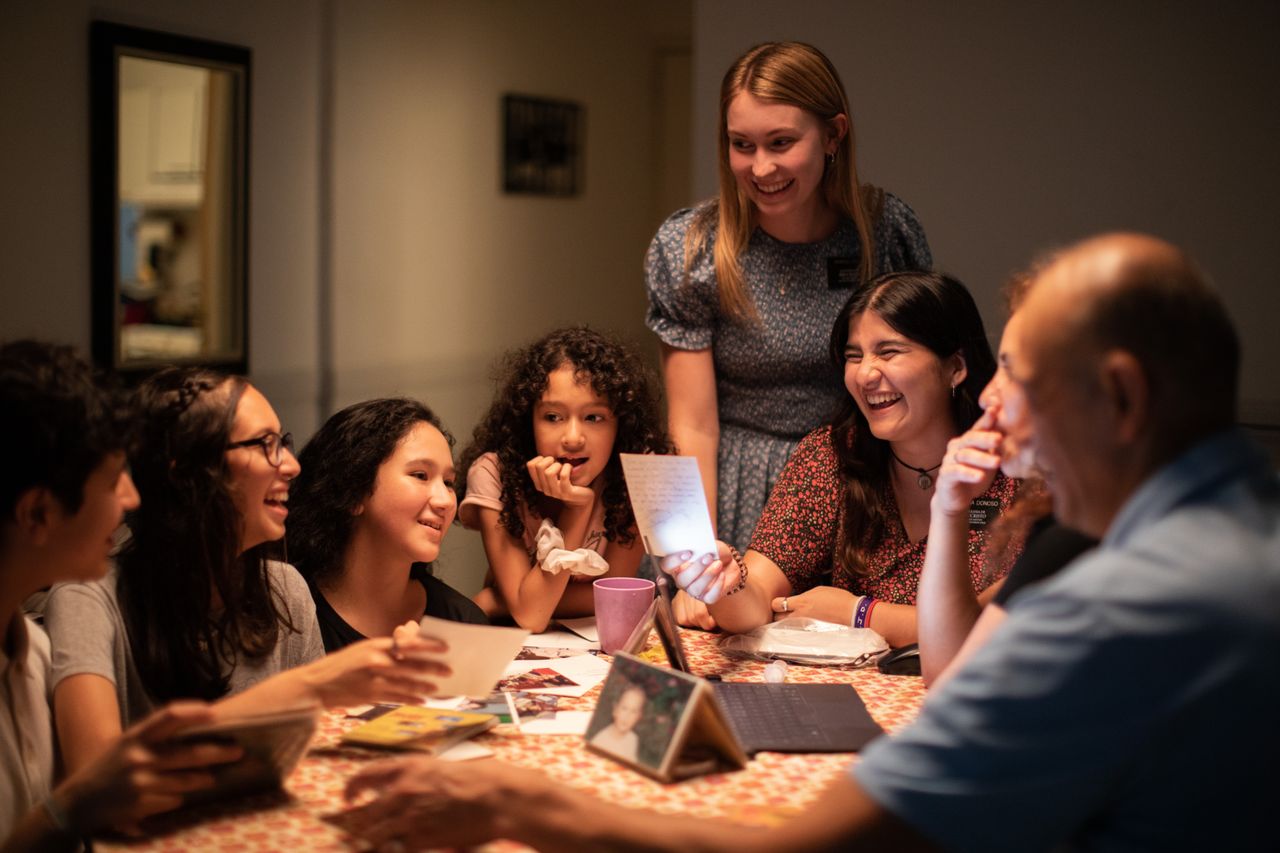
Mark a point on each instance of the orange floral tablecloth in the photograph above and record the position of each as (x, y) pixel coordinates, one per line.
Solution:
(773, 786)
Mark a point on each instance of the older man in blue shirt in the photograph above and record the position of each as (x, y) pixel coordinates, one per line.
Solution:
(1130, 703)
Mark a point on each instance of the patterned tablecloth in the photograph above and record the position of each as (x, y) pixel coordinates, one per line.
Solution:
(773, 786)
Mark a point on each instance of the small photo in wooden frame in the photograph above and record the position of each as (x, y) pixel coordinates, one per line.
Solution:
(662, 722)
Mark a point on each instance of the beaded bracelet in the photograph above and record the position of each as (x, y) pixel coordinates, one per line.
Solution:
(742, 572)
(862, 615)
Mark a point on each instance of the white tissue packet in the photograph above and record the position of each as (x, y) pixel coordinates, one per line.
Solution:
(800, 639)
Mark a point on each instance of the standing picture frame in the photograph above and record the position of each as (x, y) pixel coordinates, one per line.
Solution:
(665, 723)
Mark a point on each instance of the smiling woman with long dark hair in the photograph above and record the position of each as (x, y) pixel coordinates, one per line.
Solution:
(842, 537)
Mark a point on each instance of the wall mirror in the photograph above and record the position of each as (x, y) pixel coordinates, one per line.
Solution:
(169, 131)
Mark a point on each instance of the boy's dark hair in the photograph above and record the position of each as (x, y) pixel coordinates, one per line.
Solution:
(614, 372)
(59, 419)
(339, 470)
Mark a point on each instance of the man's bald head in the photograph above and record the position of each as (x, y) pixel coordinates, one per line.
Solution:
(1128, 359)
(1144, 296)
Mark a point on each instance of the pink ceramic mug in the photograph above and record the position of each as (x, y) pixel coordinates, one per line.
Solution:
(620, 604)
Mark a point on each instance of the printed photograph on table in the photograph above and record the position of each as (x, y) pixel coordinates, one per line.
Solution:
(536, 679)
(534, 706)
(641, 715)
(497, 704)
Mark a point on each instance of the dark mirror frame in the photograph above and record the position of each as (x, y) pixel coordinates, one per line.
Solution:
(107, 43)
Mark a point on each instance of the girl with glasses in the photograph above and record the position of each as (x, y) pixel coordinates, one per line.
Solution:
(196, 607)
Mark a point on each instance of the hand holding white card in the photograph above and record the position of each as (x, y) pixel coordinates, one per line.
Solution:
(669, 503)
(478, 654)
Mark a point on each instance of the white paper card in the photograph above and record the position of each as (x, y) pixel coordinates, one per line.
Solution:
(468, 750)
(477, 654)
(669, 503)
(559, 723)
(584, 626)
(560, 640)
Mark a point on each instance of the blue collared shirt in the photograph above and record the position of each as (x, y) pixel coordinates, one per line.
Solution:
(1132, 702)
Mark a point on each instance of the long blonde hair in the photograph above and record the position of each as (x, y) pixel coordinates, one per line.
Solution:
(800, 75)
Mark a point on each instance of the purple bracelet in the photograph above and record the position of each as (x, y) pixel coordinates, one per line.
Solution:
(864, 608)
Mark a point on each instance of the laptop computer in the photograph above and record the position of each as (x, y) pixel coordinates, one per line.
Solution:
(771, 717)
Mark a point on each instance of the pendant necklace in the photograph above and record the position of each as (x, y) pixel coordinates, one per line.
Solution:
(925, 480)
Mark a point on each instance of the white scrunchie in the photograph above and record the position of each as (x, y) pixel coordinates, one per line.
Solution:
(553, 558)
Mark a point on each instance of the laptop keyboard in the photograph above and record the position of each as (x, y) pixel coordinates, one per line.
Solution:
(772, 716)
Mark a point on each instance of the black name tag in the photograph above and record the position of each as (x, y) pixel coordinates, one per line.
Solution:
(982, 512)
(842, 273)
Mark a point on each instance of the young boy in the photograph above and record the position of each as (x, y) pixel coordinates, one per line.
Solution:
(64, 489)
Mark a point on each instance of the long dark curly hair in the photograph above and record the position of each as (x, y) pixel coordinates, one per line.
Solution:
(185, 543)
(339, 470)
(929, 308)
(615, 373)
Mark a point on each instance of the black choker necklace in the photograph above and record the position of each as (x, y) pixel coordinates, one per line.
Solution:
(925, 480)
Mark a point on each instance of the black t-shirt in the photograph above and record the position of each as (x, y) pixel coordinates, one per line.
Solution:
(443, 602)
(1050, 547)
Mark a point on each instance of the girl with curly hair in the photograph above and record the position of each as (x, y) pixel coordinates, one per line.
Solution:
(369, 511)
(543, 479)
(196, 607)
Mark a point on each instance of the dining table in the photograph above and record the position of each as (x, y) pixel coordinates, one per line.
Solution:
(770, 789)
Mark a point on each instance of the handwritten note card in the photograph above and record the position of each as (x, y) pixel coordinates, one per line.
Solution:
(669, 503)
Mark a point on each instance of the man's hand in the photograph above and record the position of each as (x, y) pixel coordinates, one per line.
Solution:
(420, 802)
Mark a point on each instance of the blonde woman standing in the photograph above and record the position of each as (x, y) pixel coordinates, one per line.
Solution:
(743, 289)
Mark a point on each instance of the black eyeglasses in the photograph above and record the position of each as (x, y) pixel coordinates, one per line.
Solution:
(273, 446)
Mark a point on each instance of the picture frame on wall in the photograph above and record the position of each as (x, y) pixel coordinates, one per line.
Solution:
(542, 146)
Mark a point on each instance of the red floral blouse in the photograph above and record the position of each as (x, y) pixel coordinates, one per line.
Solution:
(801, 526)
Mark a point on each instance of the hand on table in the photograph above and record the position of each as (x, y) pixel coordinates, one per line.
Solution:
(394, 669)
(145, 772)
(969, 466)
(420, 802)
(704, 577)
(828, 603)
(552, 479)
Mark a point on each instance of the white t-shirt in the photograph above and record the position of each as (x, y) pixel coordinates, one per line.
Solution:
(26, 728)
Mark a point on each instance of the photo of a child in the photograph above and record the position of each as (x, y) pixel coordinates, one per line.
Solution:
(620, 737)
(639, 713)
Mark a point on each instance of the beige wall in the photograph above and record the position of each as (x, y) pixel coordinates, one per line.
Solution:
(1013, 128)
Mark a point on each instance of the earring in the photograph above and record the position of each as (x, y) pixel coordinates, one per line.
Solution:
(953, 392)
(831, 159)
